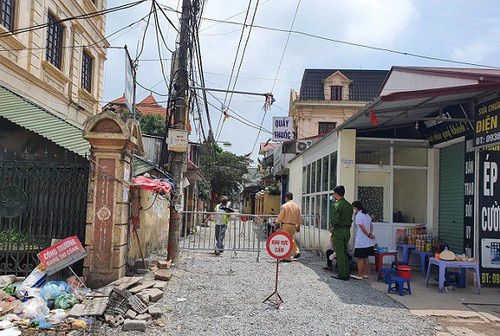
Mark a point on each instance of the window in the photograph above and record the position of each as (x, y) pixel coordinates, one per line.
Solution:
(326, 127)
(54, 42)
(318, 175)
(404, 156)
(336, 93)
(378, 153)
(410, 196)
(324, 173)
(87, 72)
(333, 171)
(7, 11)
(313, 177)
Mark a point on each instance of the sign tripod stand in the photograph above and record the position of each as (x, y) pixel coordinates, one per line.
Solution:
(279, 246)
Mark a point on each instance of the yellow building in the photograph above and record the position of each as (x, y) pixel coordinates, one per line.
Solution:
(60, 65)
(328, 97)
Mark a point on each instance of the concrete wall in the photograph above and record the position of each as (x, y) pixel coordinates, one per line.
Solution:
(27, 72)
(153, 225)
(264, 202)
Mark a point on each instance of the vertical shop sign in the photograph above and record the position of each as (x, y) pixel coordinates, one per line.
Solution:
(469, 196)
(489, 215)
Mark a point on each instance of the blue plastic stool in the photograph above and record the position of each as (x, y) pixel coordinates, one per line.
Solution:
(454, 278)
(385, 274)
(399, 286)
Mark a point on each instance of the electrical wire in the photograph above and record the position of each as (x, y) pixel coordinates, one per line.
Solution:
(241, 61)
(76, 17)
(354, 44)
(139, 53)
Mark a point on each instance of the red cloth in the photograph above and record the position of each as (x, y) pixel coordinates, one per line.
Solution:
(373, 118)
(152, 184)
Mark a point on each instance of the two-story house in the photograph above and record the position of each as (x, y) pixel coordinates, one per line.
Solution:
(328, 97)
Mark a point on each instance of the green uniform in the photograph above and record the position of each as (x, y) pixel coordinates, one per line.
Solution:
(342, 212)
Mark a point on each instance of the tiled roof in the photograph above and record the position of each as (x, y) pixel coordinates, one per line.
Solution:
(147, 106)
(364, 87)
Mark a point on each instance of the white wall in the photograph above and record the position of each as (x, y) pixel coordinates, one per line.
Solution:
(295, 182)
(404, 81)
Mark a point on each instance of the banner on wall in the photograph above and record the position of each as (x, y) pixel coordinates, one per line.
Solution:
(489, 215)
(469, 196)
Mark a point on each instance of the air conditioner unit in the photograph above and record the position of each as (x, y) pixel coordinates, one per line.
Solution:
(301, 146)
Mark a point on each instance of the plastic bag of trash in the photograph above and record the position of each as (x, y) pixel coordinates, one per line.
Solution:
(35, 279)
(65, 301)
(53, 289)
(57, 316)
(40, 323)
(6, 280)
(35, 308)
(11, 289)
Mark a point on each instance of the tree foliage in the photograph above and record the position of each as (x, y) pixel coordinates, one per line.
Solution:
(152, 124)
(224, 171)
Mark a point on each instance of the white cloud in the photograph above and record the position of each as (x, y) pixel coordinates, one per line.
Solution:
(377, 22)
(480, 50)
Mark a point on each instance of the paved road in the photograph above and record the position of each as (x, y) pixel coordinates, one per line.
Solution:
(212, 295)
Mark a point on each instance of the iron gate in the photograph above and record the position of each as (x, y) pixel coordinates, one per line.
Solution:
(54, 207)
(245, 232)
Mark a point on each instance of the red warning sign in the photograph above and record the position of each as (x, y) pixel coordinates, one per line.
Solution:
(279, 245)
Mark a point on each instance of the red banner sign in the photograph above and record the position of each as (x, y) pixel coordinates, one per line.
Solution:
(63, 254)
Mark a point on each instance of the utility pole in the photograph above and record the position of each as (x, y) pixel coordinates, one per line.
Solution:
(178, 159)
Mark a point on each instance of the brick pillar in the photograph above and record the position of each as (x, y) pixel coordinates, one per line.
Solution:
(112, 145)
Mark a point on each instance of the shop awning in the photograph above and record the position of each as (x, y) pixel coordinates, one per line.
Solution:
(37, 119)
(404, 108)
(141, 166)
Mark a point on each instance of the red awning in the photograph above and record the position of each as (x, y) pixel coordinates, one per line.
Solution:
(151, 184)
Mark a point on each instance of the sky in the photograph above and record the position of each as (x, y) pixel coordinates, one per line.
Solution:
(453, 30)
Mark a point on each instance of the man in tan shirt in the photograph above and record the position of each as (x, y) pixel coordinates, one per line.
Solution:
(290, 220)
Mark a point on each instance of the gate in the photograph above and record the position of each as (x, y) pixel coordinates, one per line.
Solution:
(244, 232)
(39, 201)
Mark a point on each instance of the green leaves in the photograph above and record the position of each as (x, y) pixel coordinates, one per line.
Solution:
(225, 171)
(152, 124)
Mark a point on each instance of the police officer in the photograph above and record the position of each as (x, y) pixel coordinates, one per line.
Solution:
(342, 212)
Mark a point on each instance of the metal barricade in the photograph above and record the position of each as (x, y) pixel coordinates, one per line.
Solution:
(243, 232)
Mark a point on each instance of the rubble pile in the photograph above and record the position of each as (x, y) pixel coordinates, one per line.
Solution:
(128, 303)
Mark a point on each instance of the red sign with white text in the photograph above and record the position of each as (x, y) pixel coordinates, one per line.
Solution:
(279, 245)
(63, 254)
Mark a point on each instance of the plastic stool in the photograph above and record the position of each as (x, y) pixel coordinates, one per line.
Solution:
(399, 286)
(393, 265)
(454, 278)
(385, 274)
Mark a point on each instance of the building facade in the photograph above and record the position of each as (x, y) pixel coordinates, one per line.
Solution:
(59, 66)
(328, 97)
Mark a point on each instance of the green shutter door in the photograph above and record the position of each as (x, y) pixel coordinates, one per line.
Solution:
(451, 196)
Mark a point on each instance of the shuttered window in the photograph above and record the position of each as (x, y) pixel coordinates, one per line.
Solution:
(451, 196)
(7, 12)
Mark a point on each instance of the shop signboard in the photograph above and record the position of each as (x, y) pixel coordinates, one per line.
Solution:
(177, 140)
(441, 131)
(469, 196)
(282, 129)
(489, 215)
(129, 82)
(486, 123)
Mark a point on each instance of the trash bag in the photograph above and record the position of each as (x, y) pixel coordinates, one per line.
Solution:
(65, 301)
(11, 289)
(56, 316)
(40, 323)
(35, 308)
(53, 289)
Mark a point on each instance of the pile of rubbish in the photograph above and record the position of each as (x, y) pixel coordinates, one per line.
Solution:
(33, 303)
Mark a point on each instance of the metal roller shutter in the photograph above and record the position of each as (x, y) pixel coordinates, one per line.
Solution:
(451, 196)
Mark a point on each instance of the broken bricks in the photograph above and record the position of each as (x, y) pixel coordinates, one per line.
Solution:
(154, 294)
(139, 288)
(155, 311)
(116, 321)
(163, 275)
(135, 325)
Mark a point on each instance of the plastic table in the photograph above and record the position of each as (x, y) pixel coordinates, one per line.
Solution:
(423, 259)
(443, 265)
(379, 256)
(406, 249)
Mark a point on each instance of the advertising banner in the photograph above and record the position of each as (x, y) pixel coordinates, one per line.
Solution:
(469, 196)
(129, 82)
(489, 215)
(282, 129)
(440, 131)
(487, 126)
(61, 255)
